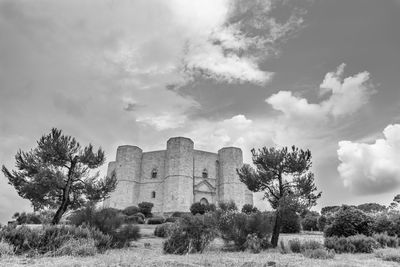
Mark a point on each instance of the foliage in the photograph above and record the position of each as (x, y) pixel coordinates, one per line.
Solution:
(285, 178)
(164, 230)
(386, 240)
(248, 208)
(227, 206)
(177, 214)
(77, 247)
(237, 226)
(171, 219)
(27, 218)
(156, 220)
(387, 223)
(192, 234)
(255, 244)
(108, 220)
(51, 238)
(351, 244)
(290, 222)
(371, 207)
(145, 208)
(197, 208)
(123, 235)
(388, 254)
(319, 253)
(329, 210)
(56, 174)
(349, 221)
(295, 245)
(310, 222)
(131, 210)
(134, 219)
(322, 222)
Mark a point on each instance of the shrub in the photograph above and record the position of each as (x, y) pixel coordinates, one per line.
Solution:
(310, 222)
(145, 208)
(248, 208)
(134, 219)
(122, 236)
(156, 220)
(77, 247)
(388, 254)
(192, 234)
(319, 253)
(171, 219)
(177, 214)
(311, 245)
(386, 240)
(349, 221)
(131, 210)
(295, 245)
(227, 206)
(254, 243)
(108, 220)
(351, 244)
(83, 216)
(322, 221)
(164, 230)
(197, 208)
(27, 218)
(50, 238)
(6, 249)
(237, 226)
(290, 222)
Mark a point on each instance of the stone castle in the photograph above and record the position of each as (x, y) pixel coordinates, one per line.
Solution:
(175, 178)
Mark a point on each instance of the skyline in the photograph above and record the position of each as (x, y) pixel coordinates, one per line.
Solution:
(320, 75)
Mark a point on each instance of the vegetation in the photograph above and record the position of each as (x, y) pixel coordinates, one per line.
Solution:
(56, 174)
(227, 206)
(274, 167)
(145, 208)
(248, 208)
(351, 244)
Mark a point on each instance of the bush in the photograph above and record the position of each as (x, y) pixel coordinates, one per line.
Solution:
(388, 254)
(248, 208)
(156, 220)
(311, 245)
(77, 247)
(122, 236)
(134, 219)
(319, 253)
(192, 234)
(227, 206)
(27, 218)
(108, 220)
(351, 244)
(131, 210)
(197, 208)
(386, 240)
(164, 230)
(177, 214)
(84, 216)
(349, 221)
(290, 222)
(295, 245)
(145, 208)
(6, 249)
(50, 238)
(322, 222)
(171, 219)
(310, 222)
(237, 226)
(254, 243)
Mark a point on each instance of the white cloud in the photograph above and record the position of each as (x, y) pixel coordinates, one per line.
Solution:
(347, 96)
(371, 168)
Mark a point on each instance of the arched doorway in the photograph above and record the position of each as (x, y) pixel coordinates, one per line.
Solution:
(203, 201)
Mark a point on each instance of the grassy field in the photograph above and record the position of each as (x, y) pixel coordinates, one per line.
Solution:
(139, 255)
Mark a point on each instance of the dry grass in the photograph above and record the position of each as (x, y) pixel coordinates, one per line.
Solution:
(139, 255)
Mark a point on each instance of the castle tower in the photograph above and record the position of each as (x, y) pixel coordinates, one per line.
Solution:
(178, 183)
(127, 168)
(230, 187)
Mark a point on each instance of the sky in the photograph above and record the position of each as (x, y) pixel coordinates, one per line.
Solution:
(322, 75)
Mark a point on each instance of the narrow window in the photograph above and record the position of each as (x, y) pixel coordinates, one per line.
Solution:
(153, 194)
(154, 173)
(205, 173)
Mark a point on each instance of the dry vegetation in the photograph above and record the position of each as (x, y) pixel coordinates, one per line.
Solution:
(147, 252)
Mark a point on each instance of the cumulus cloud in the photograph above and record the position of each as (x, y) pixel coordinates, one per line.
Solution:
(371, 168)
(346, 96)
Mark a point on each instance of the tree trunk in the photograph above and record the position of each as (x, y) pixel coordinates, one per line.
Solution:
(277, 229)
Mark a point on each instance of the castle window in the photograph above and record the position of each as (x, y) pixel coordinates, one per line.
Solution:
(153, 194)
(154, 173)
(205, 173)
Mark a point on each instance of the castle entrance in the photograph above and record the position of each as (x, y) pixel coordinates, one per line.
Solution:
(203, 201)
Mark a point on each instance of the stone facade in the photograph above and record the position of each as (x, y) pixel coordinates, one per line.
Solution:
(175, 178)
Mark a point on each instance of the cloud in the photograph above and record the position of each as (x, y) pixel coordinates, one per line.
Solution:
(346, 96)
(371, 168)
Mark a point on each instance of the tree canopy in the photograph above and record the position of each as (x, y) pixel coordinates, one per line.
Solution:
(285, 178)
(57, 174)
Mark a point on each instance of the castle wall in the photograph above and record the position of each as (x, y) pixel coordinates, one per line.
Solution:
(205, 160)
(148, 185)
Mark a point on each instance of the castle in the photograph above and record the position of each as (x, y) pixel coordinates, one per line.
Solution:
(175, 178)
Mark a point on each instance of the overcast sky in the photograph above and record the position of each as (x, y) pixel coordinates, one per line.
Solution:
(319, 74)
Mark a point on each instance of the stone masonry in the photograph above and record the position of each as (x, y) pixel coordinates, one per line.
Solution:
(175, 178)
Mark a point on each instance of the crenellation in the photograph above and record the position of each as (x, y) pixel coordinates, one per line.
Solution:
(174, 178)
